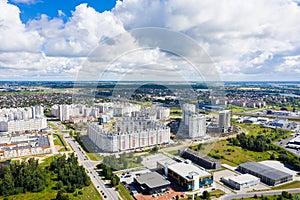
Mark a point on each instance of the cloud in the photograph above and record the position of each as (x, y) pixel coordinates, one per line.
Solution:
(228, 30)
(245, 39)
(26, 1)
(80, 34)
(14, 36)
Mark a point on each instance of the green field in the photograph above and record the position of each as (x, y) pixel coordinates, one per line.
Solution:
(271, 197)
(94, 156)
(88, 193)
(59, 140)
(216, 193)
(124, 192)
(293, 184)
(175, 112)
(233, 155)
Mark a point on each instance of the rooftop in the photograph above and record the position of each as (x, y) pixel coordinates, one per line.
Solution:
(152, 180)
(264, 170)
(185, 169)
(197, 154)
(243, 178)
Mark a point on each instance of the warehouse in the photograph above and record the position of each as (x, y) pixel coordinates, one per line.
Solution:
(268, 175)
(201, 159)
(241, 181)
(151, 183)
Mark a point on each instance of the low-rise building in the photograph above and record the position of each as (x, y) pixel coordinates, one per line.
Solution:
(268, 175)
(151, 183)
(241, 181)
(188, 176)
(201, 159)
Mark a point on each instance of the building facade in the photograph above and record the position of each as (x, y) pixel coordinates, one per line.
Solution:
(128, 134)
(241, 181)
(201, 159)
(224, 120)
(22, 119)
(187, 175)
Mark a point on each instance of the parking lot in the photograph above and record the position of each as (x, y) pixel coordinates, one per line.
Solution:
(151, 161)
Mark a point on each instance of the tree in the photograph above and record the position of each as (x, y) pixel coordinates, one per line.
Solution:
(272, 156)
(154, 150)
(205, 195)
(125, 164)
(139, 159)
(130, 155)
(285, 194)
(61, 196)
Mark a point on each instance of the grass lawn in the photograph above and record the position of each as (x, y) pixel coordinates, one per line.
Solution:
(174, 152)
(89, 193)
(270, 197)
(95, 156)
(217, 193)
(233, 155)
(293, 184)
(55, 128)
(59, 140)
(175, 112)
(124, 192)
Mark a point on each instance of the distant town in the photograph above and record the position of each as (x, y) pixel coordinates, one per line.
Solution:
(143, 141)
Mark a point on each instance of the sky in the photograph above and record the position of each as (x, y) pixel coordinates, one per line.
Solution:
(255, 40)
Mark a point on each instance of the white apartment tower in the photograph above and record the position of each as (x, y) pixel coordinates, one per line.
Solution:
(187, 110)
(224, 120)
(197, 125)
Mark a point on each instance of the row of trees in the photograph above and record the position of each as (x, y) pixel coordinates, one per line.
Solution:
(258, 143)
(21, 177)
(69, 174)
(107, 172)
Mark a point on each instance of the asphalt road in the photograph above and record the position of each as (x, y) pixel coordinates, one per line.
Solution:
(102, 188)
(251, 194)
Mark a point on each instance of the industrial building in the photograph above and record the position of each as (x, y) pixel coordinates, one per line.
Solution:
(241, 181)
(268, 175)
(201, 159)
(187, 175)
(279, 123)
(151, 183)
(294, 143)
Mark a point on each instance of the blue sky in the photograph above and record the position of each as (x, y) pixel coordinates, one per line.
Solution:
(254, 40)
(33, 9)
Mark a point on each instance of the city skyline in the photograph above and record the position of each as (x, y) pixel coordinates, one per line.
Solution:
(245, 41)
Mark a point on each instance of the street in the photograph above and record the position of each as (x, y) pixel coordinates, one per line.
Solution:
(251, 194)
(105, 191)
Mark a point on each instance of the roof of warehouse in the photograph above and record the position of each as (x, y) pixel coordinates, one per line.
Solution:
(264, 170)
(152, 180)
